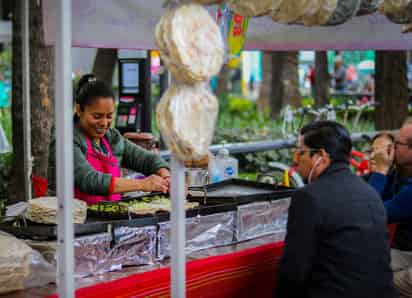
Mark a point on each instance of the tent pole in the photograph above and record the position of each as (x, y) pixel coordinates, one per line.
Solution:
(178, 231)
(64, 147)
(26, 99)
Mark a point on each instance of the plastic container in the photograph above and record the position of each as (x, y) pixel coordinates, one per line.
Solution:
(225, 166)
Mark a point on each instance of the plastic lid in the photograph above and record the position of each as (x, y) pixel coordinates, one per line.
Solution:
(223, 152)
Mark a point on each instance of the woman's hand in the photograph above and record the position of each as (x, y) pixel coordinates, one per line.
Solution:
(165, 174)
(154, 183)
(381, 160)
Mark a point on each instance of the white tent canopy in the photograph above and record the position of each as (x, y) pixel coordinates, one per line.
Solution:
(130, 24)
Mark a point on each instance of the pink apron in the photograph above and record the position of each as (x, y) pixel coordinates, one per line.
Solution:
(107, 164)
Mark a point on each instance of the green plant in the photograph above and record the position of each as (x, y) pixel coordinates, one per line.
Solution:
(5, 63)
(5, 168)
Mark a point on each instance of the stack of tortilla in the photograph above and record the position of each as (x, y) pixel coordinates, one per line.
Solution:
(44, 210)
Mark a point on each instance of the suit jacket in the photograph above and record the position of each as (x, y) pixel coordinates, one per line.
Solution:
(337, 243)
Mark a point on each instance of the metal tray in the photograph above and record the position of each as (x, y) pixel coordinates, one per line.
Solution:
(238, 191)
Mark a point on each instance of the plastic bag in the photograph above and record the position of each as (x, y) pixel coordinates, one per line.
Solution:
(398, 11)
(249, 8)
(186, 116)
(190, 43)
(22, 267)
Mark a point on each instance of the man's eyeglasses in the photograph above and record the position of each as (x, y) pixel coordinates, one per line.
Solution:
(301, 151)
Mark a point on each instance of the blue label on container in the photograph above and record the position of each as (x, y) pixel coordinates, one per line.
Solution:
(229, 171)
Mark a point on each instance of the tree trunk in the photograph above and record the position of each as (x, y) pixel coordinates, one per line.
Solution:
(322, 79)
(222, 82)
(104, 65)
(277, 85)
(391, 89)
(263, 102)
(16, 191)
(41, 92)
(290, 80)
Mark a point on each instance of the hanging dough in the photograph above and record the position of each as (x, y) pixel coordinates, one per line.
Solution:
(186, 117)
(190, 43)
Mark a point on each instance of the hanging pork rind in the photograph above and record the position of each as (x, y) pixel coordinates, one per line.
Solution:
(398, 11)
(251, 8)
(345, 10)
(320, 13)
(292, 12)
(207, 2)
(314, 12)
(190, 43)
(186, 116)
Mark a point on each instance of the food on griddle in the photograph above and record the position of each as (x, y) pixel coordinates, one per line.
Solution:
(146, 205)
(44, 210)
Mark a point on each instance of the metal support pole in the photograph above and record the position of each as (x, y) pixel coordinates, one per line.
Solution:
(178, 232)
(64, 146)
(26, 98)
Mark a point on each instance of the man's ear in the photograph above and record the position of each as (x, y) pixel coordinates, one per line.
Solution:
(325, 157)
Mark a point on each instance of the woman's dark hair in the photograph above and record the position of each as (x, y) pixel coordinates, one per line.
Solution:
(89, 89)
(331, 136)
(384, 134)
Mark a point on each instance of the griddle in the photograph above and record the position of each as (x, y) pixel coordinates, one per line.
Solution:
(238, 191)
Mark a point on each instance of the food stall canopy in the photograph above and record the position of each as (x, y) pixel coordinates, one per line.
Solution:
(130, 24)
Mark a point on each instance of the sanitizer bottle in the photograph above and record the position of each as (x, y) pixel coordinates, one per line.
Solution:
(227, 166)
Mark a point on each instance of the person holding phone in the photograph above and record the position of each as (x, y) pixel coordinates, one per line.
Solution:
(396, 191)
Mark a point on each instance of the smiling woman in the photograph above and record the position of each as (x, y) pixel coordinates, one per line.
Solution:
(101, 151)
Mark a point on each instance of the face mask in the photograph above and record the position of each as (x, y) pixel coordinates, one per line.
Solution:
(313, 169)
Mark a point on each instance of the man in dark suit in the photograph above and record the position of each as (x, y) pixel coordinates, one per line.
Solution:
(337, 241)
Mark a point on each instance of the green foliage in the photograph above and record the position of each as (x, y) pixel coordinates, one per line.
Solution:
(6, 122)
(5, 63)
(5, 168)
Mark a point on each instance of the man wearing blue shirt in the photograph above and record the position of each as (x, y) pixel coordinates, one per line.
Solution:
(397, 194)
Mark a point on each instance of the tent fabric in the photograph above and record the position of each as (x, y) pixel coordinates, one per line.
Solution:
(130, 24)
